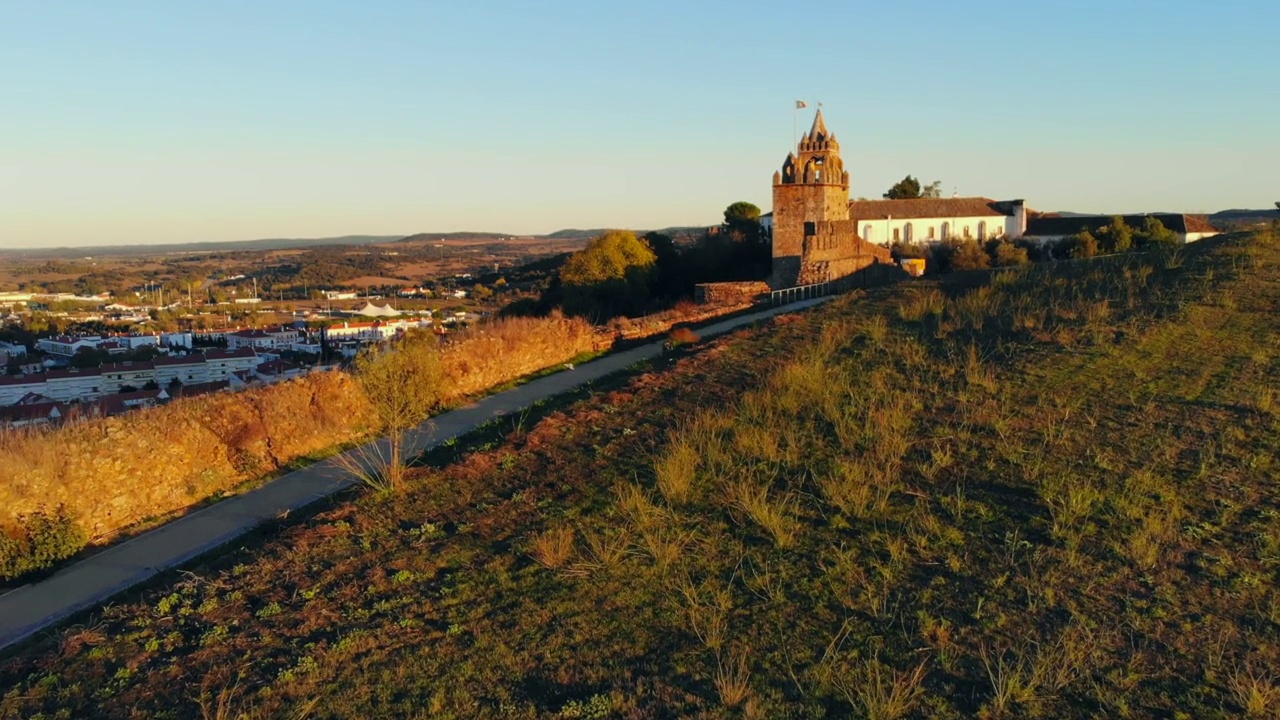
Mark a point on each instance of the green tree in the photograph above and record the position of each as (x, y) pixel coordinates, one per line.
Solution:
(612, 274)
(1004, 253)
(1117, 237)
(1082, 245)
(969, 255)
(906, 189)
(1154, 233)
(741, 211)
(932, 190)
(403, 383)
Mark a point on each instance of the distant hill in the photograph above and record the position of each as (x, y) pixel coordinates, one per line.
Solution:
(463, 235)
(196, 247)
(72, 251)
(574, 233)
(1238, 215)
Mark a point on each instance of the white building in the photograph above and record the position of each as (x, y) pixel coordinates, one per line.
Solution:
(372, 331)
(222, 364)
(73, 385)
(13, 349)
(120, 375)
(262, 339)
(67, 345)
(936, 219)
(14, 387)
(186, 369)
(340, 295)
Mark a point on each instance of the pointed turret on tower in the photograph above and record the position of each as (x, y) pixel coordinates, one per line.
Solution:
(812, 187)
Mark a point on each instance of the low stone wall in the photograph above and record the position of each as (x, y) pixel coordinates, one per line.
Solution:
(729, 293)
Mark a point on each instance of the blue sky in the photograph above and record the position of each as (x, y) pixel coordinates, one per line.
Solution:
(149, 121)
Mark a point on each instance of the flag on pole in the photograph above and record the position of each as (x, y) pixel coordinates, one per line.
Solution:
(801, 104)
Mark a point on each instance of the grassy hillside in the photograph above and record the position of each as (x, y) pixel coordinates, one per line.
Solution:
(1042, 492)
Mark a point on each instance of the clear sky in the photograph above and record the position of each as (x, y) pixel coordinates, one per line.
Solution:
(170, 121)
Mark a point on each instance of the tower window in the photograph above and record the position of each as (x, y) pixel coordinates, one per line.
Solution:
(810, 229)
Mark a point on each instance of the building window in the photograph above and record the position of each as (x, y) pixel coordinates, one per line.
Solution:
(966, 232)
(866, 232)
(946, 231)
(907, 232)
(897, 235)
(931, 233)
(982, 230)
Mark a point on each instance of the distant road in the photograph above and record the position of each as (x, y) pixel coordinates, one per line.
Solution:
(29, 609)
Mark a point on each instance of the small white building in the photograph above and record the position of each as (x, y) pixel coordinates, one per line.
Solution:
(67, 345)
(13, 349)
(340, 295)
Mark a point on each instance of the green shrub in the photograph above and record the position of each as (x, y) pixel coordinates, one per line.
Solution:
(39, 540)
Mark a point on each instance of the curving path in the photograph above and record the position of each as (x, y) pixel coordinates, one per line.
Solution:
(29, 609)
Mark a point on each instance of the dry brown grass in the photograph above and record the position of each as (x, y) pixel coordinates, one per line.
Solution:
(553, 548)
(109, 473)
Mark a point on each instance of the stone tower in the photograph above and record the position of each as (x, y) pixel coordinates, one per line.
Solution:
(811, 188)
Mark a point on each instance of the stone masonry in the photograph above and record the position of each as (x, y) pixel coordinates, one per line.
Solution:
(814, 239)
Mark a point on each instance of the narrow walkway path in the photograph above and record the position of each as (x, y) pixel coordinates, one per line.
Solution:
(32, 608)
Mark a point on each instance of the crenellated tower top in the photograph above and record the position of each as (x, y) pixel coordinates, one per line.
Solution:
(816, 160)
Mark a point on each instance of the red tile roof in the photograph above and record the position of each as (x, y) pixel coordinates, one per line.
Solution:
(928, 208)
(228, 354)
(21, 379)
(65, 374)
(171, 360)
(199, 388)
(127, 366)
(21, 413)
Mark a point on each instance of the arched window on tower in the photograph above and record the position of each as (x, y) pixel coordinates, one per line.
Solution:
(907, 233)
(982, 230)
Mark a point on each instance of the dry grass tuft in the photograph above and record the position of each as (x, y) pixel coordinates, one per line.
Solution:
(553, 548)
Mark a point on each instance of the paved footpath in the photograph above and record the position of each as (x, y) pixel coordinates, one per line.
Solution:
(29, 609)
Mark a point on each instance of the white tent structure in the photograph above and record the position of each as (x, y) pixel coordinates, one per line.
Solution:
(371, 310)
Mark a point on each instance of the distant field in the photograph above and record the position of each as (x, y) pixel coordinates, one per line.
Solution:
(1041, 492)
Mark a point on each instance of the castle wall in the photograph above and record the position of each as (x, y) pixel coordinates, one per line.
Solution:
(793, 206)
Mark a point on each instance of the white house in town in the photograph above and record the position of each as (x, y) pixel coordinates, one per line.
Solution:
(371, 331)
(222, 364)
(120, 375)
(187, 369)
(13, 349)
(73, 385)
(67, 345)
(15, 387)
(262, 339)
